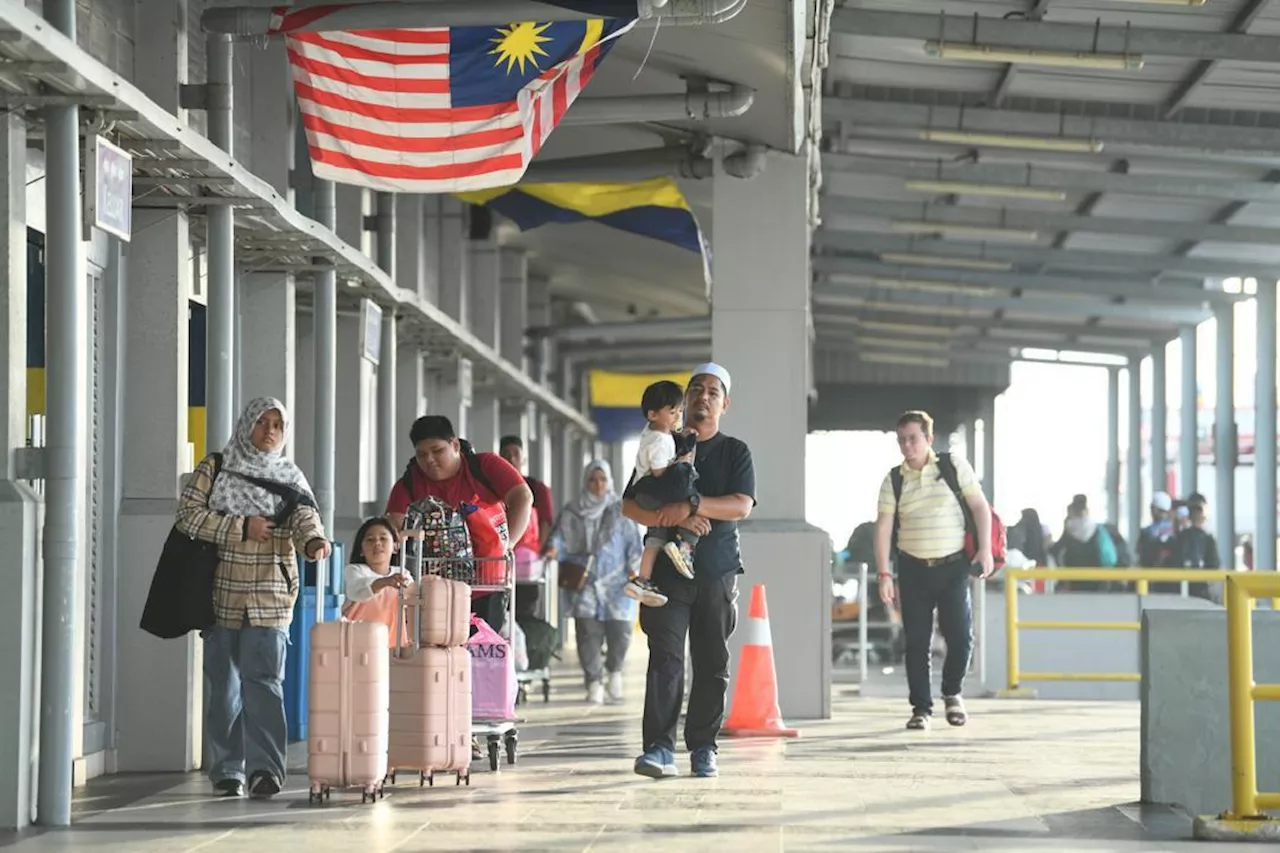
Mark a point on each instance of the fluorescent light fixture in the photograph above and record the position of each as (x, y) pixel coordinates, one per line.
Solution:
(915, 260)
(1072, 357)
(962, 188)
(971, 232)
(905, 343)
(923, 286)
(908, 328)
(904, 358)
(1005, 140)
(1023, 56)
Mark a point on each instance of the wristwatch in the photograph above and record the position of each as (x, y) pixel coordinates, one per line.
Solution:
(694, 501)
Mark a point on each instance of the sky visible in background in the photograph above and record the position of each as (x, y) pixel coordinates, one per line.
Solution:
(1051, 428)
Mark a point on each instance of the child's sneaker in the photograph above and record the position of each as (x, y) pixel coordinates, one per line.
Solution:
(681, 554)
(645, 591)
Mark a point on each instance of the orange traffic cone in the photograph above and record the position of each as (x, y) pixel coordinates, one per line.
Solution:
(755, 710)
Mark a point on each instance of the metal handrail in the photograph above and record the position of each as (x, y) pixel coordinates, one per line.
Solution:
(1140, 577)
(1241, 590)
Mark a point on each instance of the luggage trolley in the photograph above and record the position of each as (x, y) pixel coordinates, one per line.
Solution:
(493, 575)
(534, 574)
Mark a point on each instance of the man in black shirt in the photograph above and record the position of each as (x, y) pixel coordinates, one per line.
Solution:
(703, 609)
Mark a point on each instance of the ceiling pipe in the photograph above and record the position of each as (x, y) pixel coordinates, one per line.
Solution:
(691, 106)
(248, 21)
(644, 164)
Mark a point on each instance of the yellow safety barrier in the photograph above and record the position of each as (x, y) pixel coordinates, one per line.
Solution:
(1140, 577)
(1242, 590)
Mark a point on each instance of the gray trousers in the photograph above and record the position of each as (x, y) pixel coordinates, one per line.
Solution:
(244, 722)
(592, 635)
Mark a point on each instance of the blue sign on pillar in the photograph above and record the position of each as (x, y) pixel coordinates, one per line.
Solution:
(108, 188)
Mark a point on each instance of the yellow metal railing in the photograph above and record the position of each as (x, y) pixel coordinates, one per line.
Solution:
(1140, 577)
(1241, 592)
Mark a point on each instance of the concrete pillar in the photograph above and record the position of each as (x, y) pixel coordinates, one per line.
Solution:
(1133, 485)
(1159, 419)
(971, 442)
(450, 227)
(761, 294)
(538, 315)
(1113, 445)
(484, 293)
(158, 701)
(415, 258)
(19, 505)
(453, 393)
(619, 463)
(304, 401)
(354, 206)
(356, 458)
(411, 403)
(1188, 431)
(989, 447)
(269, 319)
(1264, 442)
(1224, 437)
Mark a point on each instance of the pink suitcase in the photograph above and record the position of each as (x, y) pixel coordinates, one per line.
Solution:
(446, 612)
(430, 719)
(349, 696)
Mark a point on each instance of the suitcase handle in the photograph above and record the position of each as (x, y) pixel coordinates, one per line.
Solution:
(413, 562)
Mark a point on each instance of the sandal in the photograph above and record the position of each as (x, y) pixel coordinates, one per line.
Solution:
(956, 715)
(918, 722)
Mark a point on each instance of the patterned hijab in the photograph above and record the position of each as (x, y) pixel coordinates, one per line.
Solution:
(599, 515)
(239, 496)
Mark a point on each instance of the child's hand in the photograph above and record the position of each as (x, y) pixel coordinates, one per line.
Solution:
(687, 458)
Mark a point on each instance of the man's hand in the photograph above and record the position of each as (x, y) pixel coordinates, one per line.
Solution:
(686, 458)
(888, 593)
(318, 549)
(672, 514)
(987, 563)
(260, 529)
(698, 524)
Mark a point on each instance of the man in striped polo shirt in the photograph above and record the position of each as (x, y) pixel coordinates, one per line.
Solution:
(929, 522)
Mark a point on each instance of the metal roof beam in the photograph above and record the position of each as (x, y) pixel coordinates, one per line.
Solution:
(1046, 332)
(1258, 133)
(1029, 220)
(1141, 290)
(827, 333)
(854, 294)
(673, 328)
(1043, 35)
(1189, 84)
(1047, 177)
(1071, 259)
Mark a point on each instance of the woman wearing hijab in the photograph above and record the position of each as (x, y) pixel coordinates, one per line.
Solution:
(593, 526)
(257, 507)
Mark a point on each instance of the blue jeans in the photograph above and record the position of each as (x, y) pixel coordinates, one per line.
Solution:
(244, 724)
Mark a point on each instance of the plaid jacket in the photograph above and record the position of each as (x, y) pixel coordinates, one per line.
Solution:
(254, 579)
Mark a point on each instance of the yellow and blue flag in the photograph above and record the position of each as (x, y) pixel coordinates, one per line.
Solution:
(615, 401)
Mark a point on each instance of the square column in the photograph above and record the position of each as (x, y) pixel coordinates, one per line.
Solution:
(356, 459)
(448, 232)
(1264, 443)
(1225, 447)
(453, 393)
(19, 505)
(989, 447)
(158, 700)
(761, 331)
(484, 426)
(1133, 496)
(1113, 445)
(415, 256)
(1159, 419)
(269, 342)
(1189, 431)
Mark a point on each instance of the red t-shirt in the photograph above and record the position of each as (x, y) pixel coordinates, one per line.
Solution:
(542, 503)
(459, 488)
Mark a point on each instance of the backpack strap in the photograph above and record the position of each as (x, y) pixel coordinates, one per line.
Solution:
(947, 468)
(895, 478)
(477, 470)
(406, 479)
(216, 456)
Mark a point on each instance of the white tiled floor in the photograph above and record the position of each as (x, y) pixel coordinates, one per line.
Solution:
(1047, 776)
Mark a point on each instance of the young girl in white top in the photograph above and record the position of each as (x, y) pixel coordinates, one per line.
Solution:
(663, 474)
(372, 584)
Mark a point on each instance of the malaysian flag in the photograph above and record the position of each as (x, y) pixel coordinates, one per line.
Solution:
(437, 110)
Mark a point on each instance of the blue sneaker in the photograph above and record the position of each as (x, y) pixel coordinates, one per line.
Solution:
(702, 763)
(657, 763)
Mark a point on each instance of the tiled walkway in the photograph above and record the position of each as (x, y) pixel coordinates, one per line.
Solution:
(1022, 776)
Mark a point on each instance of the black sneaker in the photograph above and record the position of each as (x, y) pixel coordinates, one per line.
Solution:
(263, 786)
(229, 788)
(644, 591)
(681, 554)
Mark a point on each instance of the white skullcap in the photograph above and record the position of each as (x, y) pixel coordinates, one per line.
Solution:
(1162, 501)
(713, 369)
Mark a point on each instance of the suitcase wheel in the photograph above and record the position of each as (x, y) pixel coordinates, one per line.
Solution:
(464, 777)
(391, 777)
(512, 741)
(431, 778)
(522, 695)
(546, 690)
(494, 749)
(422, 779)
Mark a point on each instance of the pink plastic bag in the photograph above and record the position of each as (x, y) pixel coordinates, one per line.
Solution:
(493, 674)
(529, 565)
